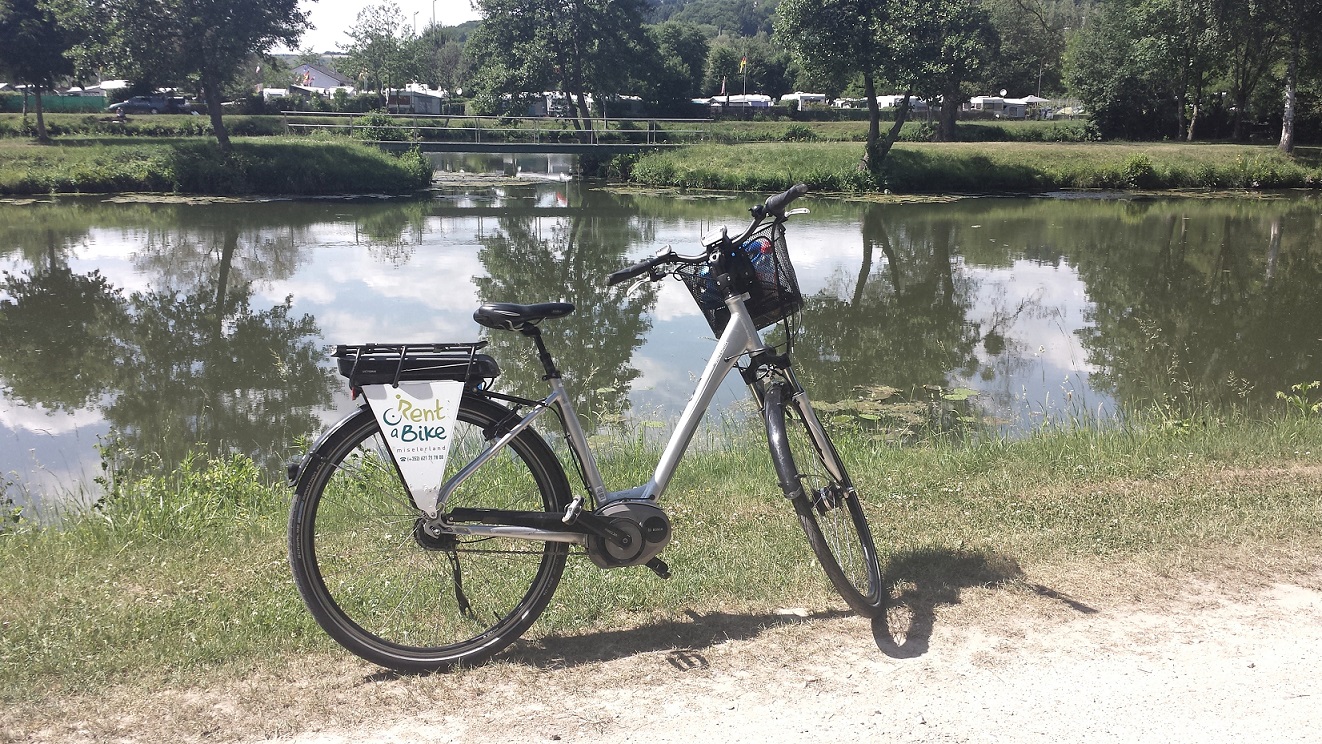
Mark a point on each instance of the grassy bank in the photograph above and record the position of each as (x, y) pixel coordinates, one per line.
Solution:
(148, 125)
(274, 165)
(182, 577)
(983, 167)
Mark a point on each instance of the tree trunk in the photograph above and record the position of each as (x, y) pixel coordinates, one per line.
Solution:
(901, 116)
(945, 125)
(584, 114)
(872, 154)
(42, 136)
(211, 90)
(1237, 132)
(1291, 88)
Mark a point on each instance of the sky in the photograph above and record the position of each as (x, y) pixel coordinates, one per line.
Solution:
(333, 18)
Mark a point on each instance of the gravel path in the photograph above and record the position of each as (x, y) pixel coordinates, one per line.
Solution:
(1238, 659)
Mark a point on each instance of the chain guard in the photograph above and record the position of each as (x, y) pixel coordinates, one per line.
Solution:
(645, 523)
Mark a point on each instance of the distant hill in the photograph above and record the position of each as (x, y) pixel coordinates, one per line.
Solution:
(734, 17)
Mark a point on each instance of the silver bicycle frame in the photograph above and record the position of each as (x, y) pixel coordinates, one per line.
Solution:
(739, 338)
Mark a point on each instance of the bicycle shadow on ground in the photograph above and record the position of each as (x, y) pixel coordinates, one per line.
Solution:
(683, 640)
(922, 580)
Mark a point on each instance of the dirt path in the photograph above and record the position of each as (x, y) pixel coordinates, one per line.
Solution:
(1232, 660)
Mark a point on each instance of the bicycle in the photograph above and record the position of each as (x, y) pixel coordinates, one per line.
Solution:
(430, 528)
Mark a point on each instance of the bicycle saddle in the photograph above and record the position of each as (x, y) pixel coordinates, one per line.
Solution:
(508, 316)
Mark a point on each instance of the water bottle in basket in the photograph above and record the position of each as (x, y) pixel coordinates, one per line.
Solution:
(762, 253)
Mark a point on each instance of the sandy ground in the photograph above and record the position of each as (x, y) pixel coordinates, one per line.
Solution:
(1234, 659)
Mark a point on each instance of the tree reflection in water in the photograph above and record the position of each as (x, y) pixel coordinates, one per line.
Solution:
(889, 344)
(185, 366)
(533, 259)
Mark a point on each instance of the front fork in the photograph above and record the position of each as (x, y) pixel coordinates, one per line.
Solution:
(765, 370)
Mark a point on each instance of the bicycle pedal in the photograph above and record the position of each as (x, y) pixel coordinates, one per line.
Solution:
(573, 510)
(659, 567)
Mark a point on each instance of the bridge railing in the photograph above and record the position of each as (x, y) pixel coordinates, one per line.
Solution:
(499, 129)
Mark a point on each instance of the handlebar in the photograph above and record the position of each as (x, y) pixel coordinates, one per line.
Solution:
(774, 206)
(638, 269)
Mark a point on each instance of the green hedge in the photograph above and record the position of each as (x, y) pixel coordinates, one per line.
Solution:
(50, 104)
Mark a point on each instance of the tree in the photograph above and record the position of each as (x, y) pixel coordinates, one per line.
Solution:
(956, 42)
(33, 50)
(382, 52)
(745, 65)
(1125, 68)
(682, 53)
(745, 18)
(1032, 34)
(929, 46)
(838, 39)
(1301, 21)
(1252, 43)
(206, 41)
(440, 57)
(525, 47)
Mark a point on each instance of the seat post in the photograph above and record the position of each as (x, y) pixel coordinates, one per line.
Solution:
(547, 362)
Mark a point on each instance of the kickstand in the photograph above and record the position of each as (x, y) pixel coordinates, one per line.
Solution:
(465, 608)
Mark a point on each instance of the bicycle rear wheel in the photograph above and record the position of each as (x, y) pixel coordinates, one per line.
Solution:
(825, 500)
(398, 597)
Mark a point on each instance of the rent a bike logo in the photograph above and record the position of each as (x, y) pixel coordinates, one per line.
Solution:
(409, 423)
(417, 420)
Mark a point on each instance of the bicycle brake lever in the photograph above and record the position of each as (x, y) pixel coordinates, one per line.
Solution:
(633, 287)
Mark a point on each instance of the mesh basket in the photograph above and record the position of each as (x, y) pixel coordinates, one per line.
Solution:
(761, 267)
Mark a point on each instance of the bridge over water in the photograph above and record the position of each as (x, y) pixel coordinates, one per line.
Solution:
(491, 134)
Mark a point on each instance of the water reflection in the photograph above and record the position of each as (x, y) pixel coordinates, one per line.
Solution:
(567, 259)
(900, 324)
(1222, 310)
(184, 364)
(166, 325)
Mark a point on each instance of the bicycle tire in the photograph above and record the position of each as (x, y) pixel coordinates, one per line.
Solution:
(391, 596)
(827, 505)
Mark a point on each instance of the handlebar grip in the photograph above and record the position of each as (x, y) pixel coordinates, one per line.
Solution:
(775, 205)
(638, 269)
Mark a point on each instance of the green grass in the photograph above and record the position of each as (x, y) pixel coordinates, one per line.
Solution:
(183, 576)
(983, 167)
(274, 165)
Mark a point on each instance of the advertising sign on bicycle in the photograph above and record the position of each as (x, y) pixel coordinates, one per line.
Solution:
(417, 419)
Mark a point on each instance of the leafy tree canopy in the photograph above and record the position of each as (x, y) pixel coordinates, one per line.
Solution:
(33, 48)
(206, 42)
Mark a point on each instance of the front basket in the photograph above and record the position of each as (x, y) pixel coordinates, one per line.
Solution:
(773, 289)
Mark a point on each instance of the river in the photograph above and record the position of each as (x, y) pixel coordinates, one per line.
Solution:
(138, 329)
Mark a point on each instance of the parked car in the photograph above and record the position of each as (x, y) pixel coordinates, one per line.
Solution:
(153, 104)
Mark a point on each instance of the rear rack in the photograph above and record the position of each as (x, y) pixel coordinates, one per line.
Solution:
(390, 364)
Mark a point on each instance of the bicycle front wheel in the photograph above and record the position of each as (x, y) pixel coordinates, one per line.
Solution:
(398, 597)
(825, 500)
